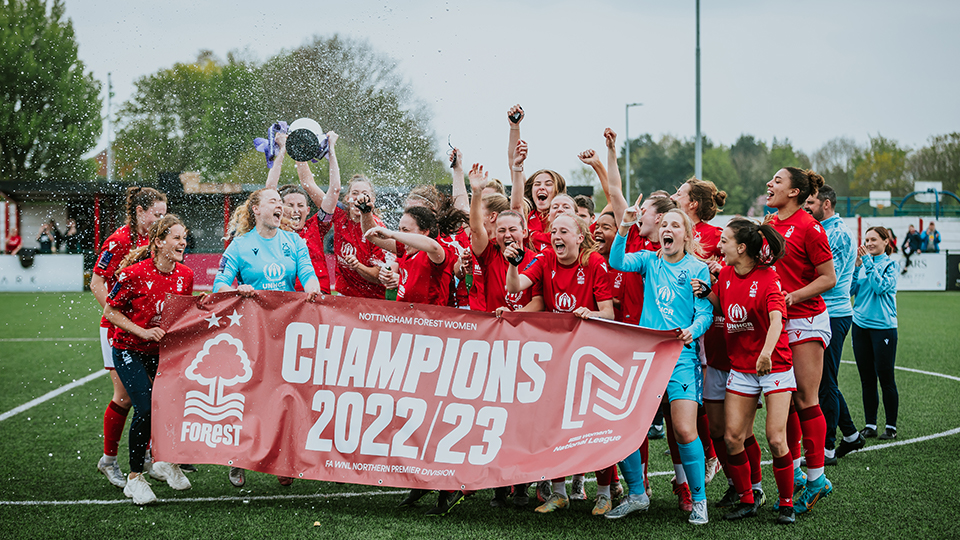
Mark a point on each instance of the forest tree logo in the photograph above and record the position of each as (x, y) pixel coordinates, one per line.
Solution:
(221, 363)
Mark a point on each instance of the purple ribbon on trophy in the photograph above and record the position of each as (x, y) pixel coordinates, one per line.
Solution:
(269, 146)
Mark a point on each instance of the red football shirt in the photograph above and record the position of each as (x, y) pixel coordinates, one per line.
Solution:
(539, 236)
(709, 238)
(631, 287)
(139, 294)
(114, 249)
(313, 233)
(565, 288)
(348, 240)
(747, 302)
(421, 280)
(478, 294)
(807, 248)
(495, 273)
(714, 343)
(461, 242)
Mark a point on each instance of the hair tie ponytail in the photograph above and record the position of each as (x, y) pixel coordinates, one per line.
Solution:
(766, 254)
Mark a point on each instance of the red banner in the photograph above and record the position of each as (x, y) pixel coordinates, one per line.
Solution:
(384, 393)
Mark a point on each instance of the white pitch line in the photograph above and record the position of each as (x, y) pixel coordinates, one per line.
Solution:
(52, 394)
(911, 370)
(364, 493)
(32, 339)
(205, 499)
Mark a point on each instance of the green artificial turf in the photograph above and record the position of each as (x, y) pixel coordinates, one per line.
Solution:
(49, 453)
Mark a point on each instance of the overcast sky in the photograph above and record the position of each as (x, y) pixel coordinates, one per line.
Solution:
(808, 71)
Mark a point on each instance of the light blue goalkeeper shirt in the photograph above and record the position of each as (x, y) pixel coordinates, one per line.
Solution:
(266, 264)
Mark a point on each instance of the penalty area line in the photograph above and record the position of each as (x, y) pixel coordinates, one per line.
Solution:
(51, 394)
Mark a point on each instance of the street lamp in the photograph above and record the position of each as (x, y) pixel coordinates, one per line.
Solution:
(626, 155)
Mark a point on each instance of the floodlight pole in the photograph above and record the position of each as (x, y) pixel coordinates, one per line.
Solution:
(626, 154)
(698, 150)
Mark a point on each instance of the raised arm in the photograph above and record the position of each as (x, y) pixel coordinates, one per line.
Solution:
(619, 258)
(514, 130)
(613, 188)
(457, 188)
(273, 177)
(517, 179)
(478, 232)
(590, 157)
(327, 202)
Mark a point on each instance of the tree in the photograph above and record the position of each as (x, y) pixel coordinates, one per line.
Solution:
(882, 166)
(192, 117)
(751, 159)
(662, 165)
(350, 88)
(939, 161)
(834, 161)
(718, 168)
(51, 106)
(204, 116)
(782, 154)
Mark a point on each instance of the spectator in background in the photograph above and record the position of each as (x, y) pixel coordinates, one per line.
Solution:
(190, 243)
(14, 242)
(585, 208)
(911, 244)
(892, 240)
(49, 238)
(930, 239)
(72, 237)
(875, 330)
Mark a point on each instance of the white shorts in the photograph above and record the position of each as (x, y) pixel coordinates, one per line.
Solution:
(106, 349)
(714, 384)
(752, 385)
(805, 329)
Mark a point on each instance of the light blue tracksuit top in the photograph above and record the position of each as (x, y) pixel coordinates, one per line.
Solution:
(875, 289)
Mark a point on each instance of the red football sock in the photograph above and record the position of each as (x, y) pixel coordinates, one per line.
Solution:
(616, 473)
(783, 472)
(814, 427)
(703, 431)
(721, 447)
(644, 458)
(114, 419)
(605, 476)
(753, 456)
(740, 474)
(794, 434)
